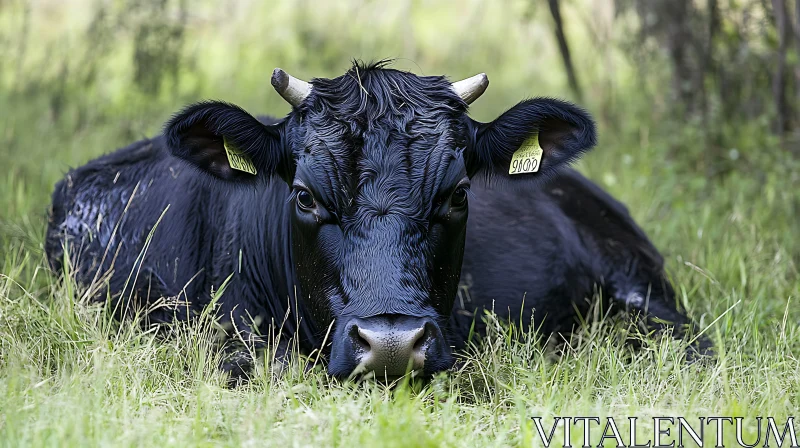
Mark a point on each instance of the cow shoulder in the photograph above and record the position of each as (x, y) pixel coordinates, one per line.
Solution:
(605, 220)
(519, 242)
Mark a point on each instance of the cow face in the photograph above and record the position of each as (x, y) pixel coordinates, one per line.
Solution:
(379, 163)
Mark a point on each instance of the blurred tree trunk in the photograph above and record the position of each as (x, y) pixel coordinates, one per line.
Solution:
(797, 46)
(676, 25)
(678, 40)
(709, 67)
(709, 72)
(779, 77)
(563, 47)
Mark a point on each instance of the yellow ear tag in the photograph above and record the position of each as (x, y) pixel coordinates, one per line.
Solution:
(528, 157)
(237, 159)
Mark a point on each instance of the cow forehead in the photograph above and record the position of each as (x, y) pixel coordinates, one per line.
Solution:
(381, 144)
(381, 170)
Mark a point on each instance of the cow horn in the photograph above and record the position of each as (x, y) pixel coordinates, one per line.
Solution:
(293, 90)
(471, 88)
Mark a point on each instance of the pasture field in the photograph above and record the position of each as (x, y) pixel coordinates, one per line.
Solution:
(81, 78)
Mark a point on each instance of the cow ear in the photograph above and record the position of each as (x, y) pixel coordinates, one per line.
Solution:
(532, 140)
(225, 141)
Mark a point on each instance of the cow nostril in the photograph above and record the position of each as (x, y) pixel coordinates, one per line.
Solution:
(359, 338)
(420, 338)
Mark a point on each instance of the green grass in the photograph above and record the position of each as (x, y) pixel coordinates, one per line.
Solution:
(723, 211)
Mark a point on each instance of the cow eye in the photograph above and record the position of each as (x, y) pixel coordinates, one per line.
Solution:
(459, 197)
(305, 200)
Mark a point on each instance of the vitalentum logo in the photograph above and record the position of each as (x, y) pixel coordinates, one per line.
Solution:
(668, 432)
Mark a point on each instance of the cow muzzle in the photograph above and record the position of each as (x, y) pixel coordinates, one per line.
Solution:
(390, 346)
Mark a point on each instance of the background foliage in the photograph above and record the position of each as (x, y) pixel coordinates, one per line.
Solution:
(697, 106)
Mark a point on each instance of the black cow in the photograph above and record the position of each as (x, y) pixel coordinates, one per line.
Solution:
(349, 215)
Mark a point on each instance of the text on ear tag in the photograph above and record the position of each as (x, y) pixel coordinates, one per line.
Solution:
(237, 159)
(528, 157)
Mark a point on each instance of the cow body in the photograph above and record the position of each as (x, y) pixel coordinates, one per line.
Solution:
(161, 231)
(368, 268)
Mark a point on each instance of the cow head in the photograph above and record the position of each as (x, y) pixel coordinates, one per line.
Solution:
(379, 163)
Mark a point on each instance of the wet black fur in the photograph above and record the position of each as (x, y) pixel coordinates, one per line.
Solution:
(381, 151)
